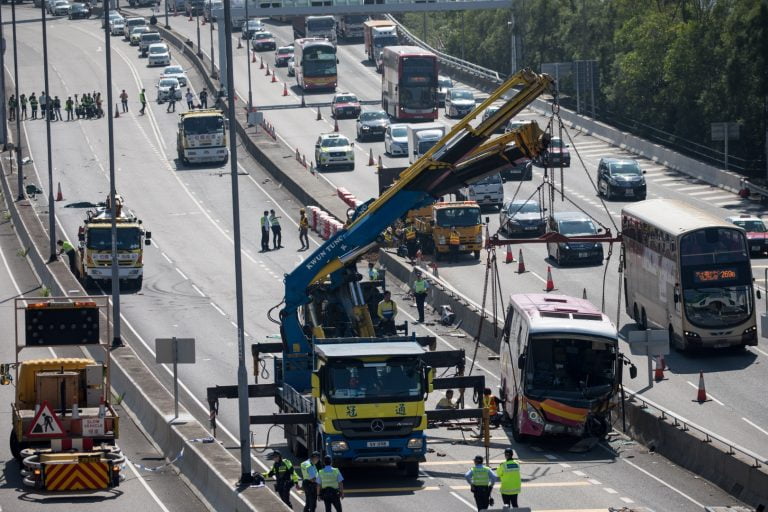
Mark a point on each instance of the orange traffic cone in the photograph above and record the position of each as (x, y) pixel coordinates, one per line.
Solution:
(370, 157)
(304, 160)
(298, 155)
(335, 125)
(319, 116)
(285, 89)
(434, 270)
(239, 41)
(203, 23)
(59, 196)
(253, 59)
(663, 363)
(658, 375)
(274, 77)
(584, 293)
(261, 66)
(510, 258)
(117, 111)
(550, 282)
(190, 16)
(380, 166)
(520, 262)
(267, 72)
(701, 396)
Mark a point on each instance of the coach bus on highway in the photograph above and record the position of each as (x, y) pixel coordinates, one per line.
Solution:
(409, 83)
(560, 367)
(688, 271)
(315, 63)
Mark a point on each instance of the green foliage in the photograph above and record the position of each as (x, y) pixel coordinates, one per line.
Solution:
(677, 65)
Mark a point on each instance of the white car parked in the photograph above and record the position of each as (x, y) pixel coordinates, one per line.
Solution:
(176, 72)
(158, 54)
(164, 89)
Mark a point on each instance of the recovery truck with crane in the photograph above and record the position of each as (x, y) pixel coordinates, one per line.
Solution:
(64, 428)
(340, 386)
(433, 225)
(378, 34)
(95, 245)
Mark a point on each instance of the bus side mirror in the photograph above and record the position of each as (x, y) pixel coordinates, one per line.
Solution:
(632, 372)
(521, 362)
(430, 379)
(337, 61)
(315, 380)
(759, 295)
(487, 220)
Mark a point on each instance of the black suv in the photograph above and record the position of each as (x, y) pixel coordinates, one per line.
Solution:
(620, 178)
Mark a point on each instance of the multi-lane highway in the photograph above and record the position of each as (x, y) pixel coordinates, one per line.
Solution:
(189, 283)
(733, 378)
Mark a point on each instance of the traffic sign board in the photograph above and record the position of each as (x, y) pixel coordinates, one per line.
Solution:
(45, 423)
(650, 342)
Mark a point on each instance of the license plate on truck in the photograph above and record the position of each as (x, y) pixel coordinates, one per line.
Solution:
(378, 444)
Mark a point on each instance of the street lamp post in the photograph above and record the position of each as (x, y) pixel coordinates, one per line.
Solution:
(48, 105)
(167, 25)
(213, 58)
(197, 19)
(248, 50)
(20, 171)
(512, 45)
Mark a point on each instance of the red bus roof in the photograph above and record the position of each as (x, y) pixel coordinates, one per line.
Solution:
(409, 51)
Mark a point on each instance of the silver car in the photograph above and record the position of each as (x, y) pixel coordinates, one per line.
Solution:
(396, 140)
(164, 89)
(522, 216)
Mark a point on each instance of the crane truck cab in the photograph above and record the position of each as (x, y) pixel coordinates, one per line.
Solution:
(433, 225)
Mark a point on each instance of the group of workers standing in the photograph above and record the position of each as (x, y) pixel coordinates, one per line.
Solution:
(87, 106)
(270, 222)
(319, 482)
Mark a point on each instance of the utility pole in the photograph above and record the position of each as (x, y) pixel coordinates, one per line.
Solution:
(246, 478)
(167, 25)
(117, 340)
(20, 171)
(213, 58)
(512, 44)
(197, 19)
(248, 50)
(48, 105)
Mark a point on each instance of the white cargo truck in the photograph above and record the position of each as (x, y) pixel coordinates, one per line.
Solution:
(421, 138)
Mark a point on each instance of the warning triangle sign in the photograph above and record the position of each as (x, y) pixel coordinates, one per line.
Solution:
(45, 423)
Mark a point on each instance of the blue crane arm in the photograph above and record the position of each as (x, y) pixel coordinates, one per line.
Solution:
(463, 155)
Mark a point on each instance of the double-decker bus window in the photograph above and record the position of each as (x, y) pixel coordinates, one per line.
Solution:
(418, 86)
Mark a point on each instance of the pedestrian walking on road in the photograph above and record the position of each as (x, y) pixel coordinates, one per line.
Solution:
(190, 100)
(12, 108)
(277, 235)
(67, 248)
(171, 100)
(143, 101)
(420, 286)
(330, 485)
(203, 98)
(69, 105)
(265, 231)
(509, 475)
(303, 230)
(23, 101)
(33, 105)
(309, 481)
(285, 477)
(124, 100)
(481, 479)
(57, 108)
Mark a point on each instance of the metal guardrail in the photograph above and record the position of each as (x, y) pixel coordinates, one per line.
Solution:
(449, 60)
(756, 189)
(686, 425)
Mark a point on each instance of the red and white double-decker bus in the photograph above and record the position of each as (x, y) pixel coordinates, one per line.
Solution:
(315, 63)
(409, 83)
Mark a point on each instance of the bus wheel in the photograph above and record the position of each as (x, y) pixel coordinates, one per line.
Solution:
(677, 341)
(636, 315)
(516, 435)
(644, 321)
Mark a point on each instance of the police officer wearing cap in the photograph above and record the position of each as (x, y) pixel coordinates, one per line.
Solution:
(481, 479)
(309, 481)
(509, 475)
(331, 485)
(285, 476)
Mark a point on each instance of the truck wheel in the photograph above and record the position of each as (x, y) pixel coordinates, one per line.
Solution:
(516, 435)
(411, 469)
(16, 446)
(476, 254)
(139, 283)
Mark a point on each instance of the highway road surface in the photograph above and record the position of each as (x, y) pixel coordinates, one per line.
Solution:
(189, 283)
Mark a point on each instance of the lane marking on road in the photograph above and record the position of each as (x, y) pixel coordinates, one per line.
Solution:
(706, 192)
(551, 457)
(471, 506)
(709, 395)
(564, 465)
(579, 473)
(167, 258)
(626, 500)
(594, 482)
(198, 290)
(659, 480)
(694, 187)
(757, 427)
(181, 274)
(610, 490)
(217, 308)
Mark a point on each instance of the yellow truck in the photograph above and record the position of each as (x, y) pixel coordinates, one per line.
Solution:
(202, 137)
(64, 429)
(95, 246)
(433, 227)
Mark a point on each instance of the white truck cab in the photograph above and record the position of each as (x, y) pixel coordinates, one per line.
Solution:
(421, 138)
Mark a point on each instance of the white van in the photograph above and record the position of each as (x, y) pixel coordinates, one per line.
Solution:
(489, 191)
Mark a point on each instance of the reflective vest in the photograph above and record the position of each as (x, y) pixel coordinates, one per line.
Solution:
(305, 468)
(481, 476)
(387, 309)
(388, 236)
(509, 474)
(23, 101)
(142, 98)
(410, 233)
(264, 222)
(283, 471)
(273, 221)
(454, 238)
(489, 401)
(373, 274)
(66, 246)
(33, 101)
(420, 286)
(303, 222)
(329, 478)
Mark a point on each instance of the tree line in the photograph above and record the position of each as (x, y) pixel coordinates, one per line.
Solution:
(673, 65)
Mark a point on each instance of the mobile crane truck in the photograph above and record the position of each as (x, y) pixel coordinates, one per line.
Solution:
(64, 429)
(341, 387)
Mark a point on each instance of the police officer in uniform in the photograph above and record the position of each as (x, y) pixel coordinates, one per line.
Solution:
(277, 234)
(373, 273)
(420, 286)
(509, 475)
(481, 479)
(285, 477)
(411, 242)
(330, 485)
(309, 481)
(33, 105)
